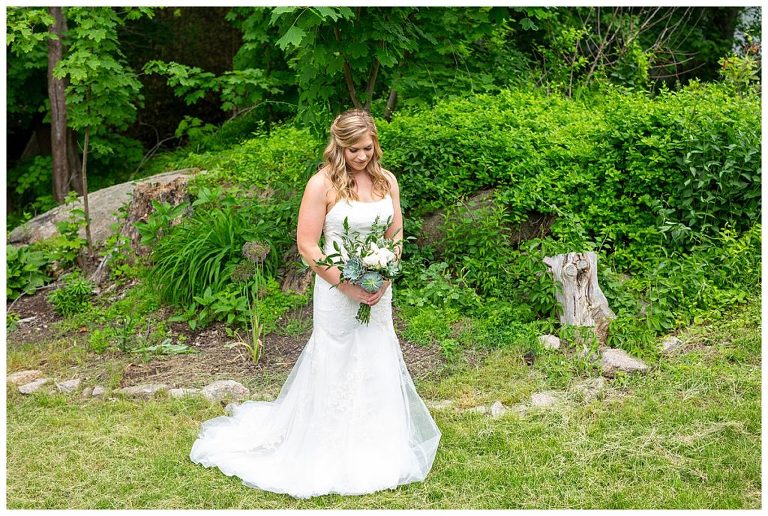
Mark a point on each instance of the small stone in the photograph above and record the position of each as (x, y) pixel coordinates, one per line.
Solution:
(225, 389)
(87, 392)
(439, 404)
(143, 391)
(590, 388)
(549, 341)
(182, 392)
(98, 391)
(231, 408)
(518, 408)
(546, 398)
(481, 409)
(498, 409)
(22, 377)
(29, 388)
(615, 360)
(671, 345)
(68, 385)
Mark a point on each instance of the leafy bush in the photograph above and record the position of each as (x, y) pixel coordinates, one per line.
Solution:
(29, 267)
(201, 252)
(231, 306)
(436, 288)
(640, 173)
(25, 270)
(73, 297)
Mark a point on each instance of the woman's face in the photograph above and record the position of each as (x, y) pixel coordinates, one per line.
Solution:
(359, 154)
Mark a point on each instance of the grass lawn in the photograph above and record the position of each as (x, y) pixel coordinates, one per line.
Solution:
(684, 436)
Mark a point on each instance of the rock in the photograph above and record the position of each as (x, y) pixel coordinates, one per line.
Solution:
(590, 389)
(498, 409)
(546, 398)
(182, 392)
(480, 409)
(518, 408)
(102, 205)
(98, 391)
(87, 392)
(671, 345)
(439, 404)
(147, 390)
(68, 385)
(225, 389)
(231, 408)
(477, 206)
(615, 360)
(29, 388)
(22, 377)
(549, 342)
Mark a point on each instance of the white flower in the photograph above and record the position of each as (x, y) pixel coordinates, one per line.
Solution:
(371, 260)
(385, 256)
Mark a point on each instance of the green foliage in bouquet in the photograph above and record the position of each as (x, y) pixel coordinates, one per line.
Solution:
(374, 248)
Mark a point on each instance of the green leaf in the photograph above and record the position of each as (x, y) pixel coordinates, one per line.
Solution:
(293, 36)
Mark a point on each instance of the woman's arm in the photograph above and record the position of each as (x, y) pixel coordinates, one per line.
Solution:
(395, 231)
(308, 231)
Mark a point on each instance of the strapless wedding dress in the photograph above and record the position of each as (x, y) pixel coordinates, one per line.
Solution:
(348, 419)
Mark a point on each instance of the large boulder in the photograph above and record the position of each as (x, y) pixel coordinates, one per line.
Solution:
(433, 232)
(103, 204)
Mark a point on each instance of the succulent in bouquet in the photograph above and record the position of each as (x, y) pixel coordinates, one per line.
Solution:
(365, 260)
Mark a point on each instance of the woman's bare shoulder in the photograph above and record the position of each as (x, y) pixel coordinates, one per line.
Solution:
(391, 178)
(320, 180)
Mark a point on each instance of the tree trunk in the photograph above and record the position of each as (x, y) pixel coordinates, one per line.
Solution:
(391, 103)
(348, 75)
(582, 303)
(84, 178)
(371, 84)
(74, 163)
(56, 93)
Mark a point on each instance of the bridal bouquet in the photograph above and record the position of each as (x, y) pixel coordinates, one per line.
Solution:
(365, 261)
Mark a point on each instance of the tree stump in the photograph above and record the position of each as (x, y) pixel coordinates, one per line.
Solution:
(140, 207)
(581, 301)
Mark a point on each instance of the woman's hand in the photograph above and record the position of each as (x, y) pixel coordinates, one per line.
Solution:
(357, 293)
(380, 293)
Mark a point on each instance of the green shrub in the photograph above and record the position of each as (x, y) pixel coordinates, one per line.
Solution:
(73, 297)
(202, 251)
(435, 287)
(25, 270)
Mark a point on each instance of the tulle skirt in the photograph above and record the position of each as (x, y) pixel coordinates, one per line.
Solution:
(348, 419)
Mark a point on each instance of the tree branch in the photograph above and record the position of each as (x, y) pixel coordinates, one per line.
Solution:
(371, 83)
(348, 74)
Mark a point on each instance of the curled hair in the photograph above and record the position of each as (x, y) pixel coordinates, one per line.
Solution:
(348, 129)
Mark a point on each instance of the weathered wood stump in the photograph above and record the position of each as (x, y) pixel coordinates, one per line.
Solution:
(140, 206)
(581, 301)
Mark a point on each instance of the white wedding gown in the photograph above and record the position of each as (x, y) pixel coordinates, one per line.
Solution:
(348, 419)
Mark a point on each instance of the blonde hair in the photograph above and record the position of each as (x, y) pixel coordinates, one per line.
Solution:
(348, 129)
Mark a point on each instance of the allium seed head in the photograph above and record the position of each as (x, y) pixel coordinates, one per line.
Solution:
(255, 251)
(242, 272)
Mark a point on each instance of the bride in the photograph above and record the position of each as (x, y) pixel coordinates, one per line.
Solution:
(348, 419)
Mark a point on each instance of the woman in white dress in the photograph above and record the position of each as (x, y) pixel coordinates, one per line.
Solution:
(348, 419)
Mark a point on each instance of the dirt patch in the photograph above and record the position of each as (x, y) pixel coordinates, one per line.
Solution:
(40, 317)
(215, 361)
(212, 360)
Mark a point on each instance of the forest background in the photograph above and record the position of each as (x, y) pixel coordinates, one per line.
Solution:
(515, 133)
